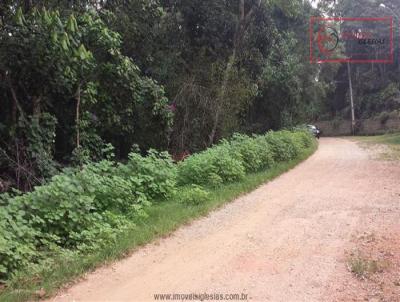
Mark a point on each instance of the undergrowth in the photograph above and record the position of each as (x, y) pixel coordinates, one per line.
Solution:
(85, 217)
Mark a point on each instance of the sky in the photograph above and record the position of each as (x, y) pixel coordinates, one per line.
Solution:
(314, 3)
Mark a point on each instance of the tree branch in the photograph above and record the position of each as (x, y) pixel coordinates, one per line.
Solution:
(251, 11)
(15, 98)
(241, 10)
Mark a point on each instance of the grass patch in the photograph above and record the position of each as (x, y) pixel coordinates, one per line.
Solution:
(363, 267)
(162, 220)
(390, 141)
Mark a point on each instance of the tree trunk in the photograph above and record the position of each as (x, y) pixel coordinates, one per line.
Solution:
(77, 116)
(221, 99)
(353, 120)
(27, 5)
(36, 105)
(241, 27)
(13, 112)
(16, 105)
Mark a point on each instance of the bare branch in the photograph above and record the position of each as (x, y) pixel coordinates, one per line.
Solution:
(241, 10)
(251, 11)
(15, 98)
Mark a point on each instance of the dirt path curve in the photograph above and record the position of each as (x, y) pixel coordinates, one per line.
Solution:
(282, 242)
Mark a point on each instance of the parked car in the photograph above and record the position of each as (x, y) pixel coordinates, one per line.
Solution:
(314, 130)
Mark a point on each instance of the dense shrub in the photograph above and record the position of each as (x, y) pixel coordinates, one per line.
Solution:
(254, 152)
(156, 171)
(193, 195)
(211, 167)
(265, 152)
(383, 117)
(248, 150)
(280, 148)
(305, 138)
(230, 160)
(199, 169)
(229, 167)
(17, 241)
(81, 210)
(286, 145)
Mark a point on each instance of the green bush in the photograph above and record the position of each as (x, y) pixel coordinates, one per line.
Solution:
(255, 152)
(281, 146)
(17, 241)
(157, 172)
(305, 137)
(265, 152)
(199, 169)
(249, 151)
(230, 160)
(287, 145)
(229, 167)
(85, 209)
(212, 167)
(81, 208)
(193, 195)
(383, 117)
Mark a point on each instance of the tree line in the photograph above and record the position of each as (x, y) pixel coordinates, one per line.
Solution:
(85, 80)
(375, 85)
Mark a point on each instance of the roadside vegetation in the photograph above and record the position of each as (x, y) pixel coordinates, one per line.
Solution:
(86, 216)
(387, 139)
(80, 77)
(373, 263)
(386, 146)
(363, 267)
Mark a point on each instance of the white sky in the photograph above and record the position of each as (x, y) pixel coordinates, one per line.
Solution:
(314, 3)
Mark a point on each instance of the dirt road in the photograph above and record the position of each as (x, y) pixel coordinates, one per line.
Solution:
(286, 241)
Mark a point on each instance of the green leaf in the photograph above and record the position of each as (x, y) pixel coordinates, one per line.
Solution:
(65, 41)
(71, 24)
(54, 37)
(82, 52)
(20, 17)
